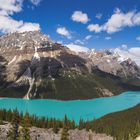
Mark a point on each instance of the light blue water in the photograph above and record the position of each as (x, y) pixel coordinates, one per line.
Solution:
(86, 109)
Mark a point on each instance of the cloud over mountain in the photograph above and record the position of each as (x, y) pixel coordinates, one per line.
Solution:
(64, 32)
(125, 53)
(77, 48)
(117, 22)
(8, 24)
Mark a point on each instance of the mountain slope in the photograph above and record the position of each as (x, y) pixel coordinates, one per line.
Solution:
(33, 66)
(112, 124)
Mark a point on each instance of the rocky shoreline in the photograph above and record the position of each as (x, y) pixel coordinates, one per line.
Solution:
(48, 134)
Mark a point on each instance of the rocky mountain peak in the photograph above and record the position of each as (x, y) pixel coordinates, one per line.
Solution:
(20, 40)
(40, 67)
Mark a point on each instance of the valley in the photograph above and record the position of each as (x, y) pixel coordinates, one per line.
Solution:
(69, 70)
(48, 80)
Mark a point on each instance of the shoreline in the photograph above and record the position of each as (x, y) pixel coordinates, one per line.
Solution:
(95, 108)
(73, 100)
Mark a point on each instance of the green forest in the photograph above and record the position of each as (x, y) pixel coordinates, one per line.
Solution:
(123, 125)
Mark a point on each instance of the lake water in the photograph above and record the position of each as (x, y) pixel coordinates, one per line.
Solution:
(86, 109)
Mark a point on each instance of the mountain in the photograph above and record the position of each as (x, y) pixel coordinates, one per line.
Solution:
(33, 66)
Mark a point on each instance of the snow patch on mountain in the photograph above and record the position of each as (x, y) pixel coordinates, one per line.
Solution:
(14, 59)
(77, 48)
(132, 53)
(36, 55)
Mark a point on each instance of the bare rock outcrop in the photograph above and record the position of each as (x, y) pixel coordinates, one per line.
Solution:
(48, 134)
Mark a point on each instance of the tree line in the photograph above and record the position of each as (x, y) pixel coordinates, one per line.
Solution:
(21, 124)
(123, 125)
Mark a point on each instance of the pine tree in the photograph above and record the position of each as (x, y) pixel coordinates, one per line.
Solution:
(1, 121)
(72, 125)
(13, 133)
(136, 131)
(81, 124)
(55, 126)
(66, 121)
(130, 137)
(64, 134)
(25, 131)
(90, 135)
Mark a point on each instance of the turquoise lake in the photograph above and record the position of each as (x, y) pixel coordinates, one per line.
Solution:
(86, 109)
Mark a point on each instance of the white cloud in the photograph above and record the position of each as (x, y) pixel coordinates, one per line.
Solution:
(59, 42)
(36, 2)
(132, 53)
(8, 24)
(79, 42)
(64, 32)
(138, 38)
(94, 27)
(88, 37)
(135, 51)
(117, 22)
(79, 16)
(108, 38)
(124, 46)
(77, 48)
(10, 6)
(99, 16)
(27, 26)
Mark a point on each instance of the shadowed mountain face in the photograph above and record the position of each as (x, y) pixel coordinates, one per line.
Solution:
(32, 66)
(2, 70)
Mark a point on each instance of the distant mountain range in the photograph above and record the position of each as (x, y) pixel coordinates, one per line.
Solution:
(32, 66)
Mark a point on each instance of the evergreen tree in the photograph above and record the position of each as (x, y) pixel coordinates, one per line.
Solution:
(55, 126)
(72, 125)
(90, 135)
(64, 134)
(13, 133)
(1, 121)
(66, 120)
(130, 137)
(81, 124)
(136, 131)
(25, 131)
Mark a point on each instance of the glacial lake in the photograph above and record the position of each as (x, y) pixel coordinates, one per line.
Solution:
(85, 109)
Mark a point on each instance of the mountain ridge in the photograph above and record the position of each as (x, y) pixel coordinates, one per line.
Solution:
(33, 66)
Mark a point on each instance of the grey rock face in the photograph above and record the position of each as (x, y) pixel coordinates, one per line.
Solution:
(23, 39)
(108, 62)
(30, 63)
(48, 134)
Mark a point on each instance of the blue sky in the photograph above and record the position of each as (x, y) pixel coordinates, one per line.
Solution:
(54, 18)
